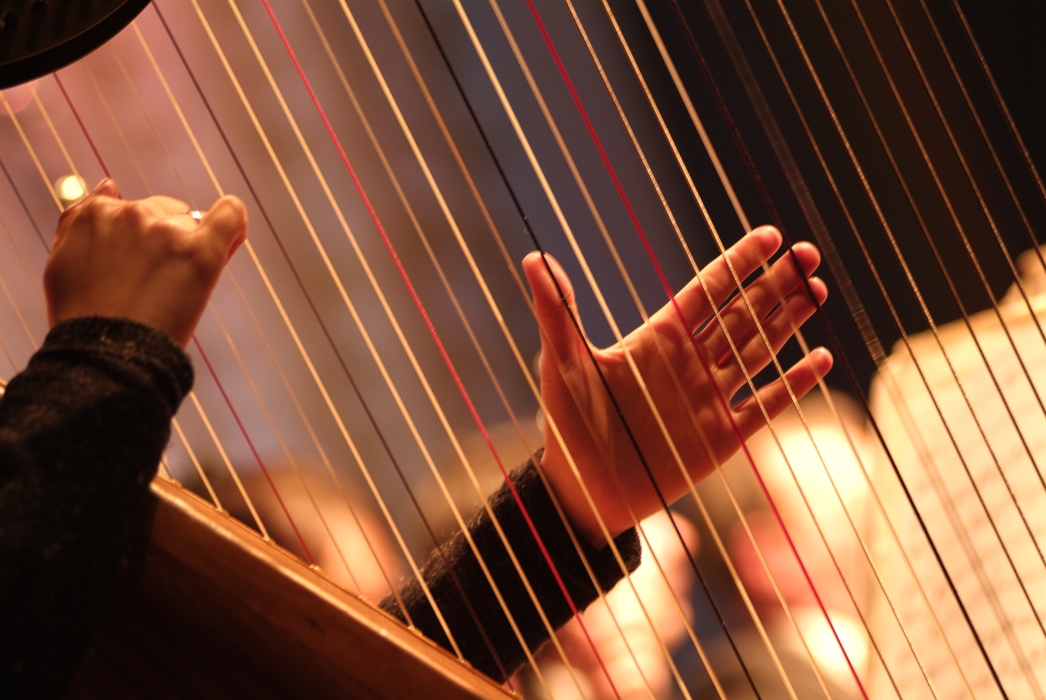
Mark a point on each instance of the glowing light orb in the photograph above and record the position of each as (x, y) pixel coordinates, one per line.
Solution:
(70, 189)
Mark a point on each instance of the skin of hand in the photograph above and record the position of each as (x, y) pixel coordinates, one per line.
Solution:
(145, 260)
(682, 385)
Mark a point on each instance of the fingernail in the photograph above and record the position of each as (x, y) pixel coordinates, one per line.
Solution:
(102, 184)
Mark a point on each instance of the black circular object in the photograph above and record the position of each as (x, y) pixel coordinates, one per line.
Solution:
(40, 36)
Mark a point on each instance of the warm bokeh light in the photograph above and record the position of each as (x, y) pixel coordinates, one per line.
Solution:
(17, 98)
(70, 189)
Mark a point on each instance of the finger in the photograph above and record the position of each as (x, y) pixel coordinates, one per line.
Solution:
(224, 228)
(717, 279)
(739, 317)
(162, 206)
(777, 329)
(106, 187)
(775, 397)
(554, 305)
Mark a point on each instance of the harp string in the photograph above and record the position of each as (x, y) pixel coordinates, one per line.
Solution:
(297, 340)
(283, 315)
(1029, 230)
(980, 273)
(894, 392)
(813, 217)
(631, 212)
(377, 359)
(442, 351)
(1014, 131)
(450, 142)
(686, 249)
(199, 407)
(980, 201)
(551, 197)
(446, 213)
(137, 164)
(724, 180)
(407, 133)
(713, 529)
(988, 589)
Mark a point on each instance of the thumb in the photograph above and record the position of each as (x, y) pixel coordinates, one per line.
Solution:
(225, 226)
(554, 305)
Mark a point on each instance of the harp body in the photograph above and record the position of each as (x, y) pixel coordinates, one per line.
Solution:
(390, 390)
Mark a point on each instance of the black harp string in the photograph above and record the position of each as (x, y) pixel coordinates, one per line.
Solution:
(874, 346)
(1028, 228)
(458, 516)
(450, 220)
(817, 226)
(351, 379)
(175, 423)
(989, 592)
(639, 231)
(537, 244)
(536, 91)
(965, 313)
(192, 395)
(265, 343)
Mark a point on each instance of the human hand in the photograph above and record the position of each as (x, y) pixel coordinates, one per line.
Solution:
(682, 385)
(146, 260)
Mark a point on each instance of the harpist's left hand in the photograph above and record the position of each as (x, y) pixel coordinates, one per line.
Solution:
(681, 385)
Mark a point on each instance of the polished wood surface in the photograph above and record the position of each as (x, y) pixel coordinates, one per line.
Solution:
(208, 609)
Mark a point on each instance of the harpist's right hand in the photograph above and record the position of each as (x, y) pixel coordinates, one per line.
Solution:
(145, 260)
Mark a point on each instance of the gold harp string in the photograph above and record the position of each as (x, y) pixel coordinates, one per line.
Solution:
(655, 34)
(256, 516)
(421, 310)
(313, 372)
(672, 219)
(880, 214)
(1014, 131)
(729, 489)
(374, 284)
(239, 359)
(973, 184)
(116, 125)
(813, 217)
(624, 274)
(960, 229)
(451, 221)
(311, 366)
(54, 132)
(32, 154)
(989, 592)
(564, 225)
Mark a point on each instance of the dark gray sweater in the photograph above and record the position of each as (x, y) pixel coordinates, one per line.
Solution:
(82, 430)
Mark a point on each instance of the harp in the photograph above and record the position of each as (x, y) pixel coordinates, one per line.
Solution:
(375, 342)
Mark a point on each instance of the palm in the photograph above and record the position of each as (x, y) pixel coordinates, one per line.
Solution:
(618, 444)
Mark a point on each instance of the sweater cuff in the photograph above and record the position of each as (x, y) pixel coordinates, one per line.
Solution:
(153, 354)
(468, 603)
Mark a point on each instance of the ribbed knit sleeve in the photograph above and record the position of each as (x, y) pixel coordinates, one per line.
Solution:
(82, 430)
(476, 619)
